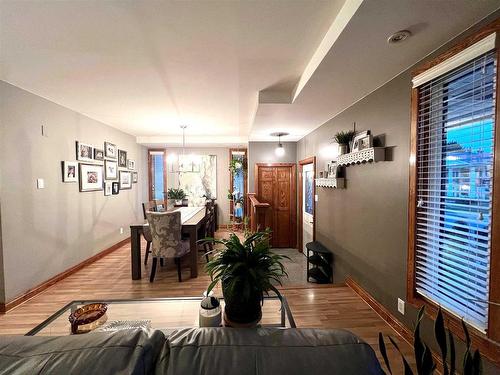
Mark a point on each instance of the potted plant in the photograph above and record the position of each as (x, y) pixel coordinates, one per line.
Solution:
(246, 271)
(177, 195)
(238, 203)
(344, 138)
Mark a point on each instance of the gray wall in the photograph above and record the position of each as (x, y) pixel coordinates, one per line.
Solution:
(366, 225)
(47, 231)
(263, 152)
(223, 178)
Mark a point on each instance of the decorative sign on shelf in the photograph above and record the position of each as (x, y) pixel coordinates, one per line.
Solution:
(372, 154)
(337, 183)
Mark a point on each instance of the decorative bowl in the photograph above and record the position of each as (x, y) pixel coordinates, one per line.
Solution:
(88, 317)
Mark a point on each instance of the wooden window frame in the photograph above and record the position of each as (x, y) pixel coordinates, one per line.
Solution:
(488, 344)
(150, 170)
(245, 181)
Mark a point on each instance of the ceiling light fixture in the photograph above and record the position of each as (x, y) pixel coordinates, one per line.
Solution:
(279, 151)
(398, 36)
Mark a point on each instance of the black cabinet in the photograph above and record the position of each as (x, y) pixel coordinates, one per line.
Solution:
(319, 263)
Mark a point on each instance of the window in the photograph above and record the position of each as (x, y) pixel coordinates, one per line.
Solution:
(452, 185)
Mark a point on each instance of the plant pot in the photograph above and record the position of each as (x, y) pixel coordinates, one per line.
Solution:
(178, 202)
(343, 149)
(238, 205)
(240, 311)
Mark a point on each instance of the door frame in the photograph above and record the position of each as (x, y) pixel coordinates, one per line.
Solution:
(293, 194)
(300, 234)
(150, 170)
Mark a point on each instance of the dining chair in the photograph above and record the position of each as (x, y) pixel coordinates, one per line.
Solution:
(209, 229)
(166, 239)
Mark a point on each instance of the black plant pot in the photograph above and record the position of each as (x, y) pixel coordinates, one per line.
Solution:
(240, 311)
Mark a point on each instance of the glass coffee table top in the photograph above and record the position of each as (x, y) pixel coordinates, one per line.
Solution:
(163, 313)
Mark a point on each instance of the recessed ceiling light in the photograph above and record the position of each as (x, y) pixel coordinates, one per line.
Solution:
(398, 36)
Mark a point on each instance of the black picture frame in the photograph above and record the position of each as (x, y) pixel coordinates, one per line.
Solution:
(115, 188)
(98, 154)
(122, 158)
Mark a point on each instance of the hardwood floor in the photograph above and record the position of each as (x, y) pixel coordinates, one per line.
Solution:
(109, 278)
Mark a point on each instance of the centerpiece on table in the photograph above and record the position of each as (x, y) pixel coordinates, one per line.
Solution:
(246, 271)
(177, 195)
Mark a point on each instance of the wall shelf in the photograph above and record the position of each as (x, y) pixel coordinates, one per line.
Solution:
(372, 154)
(337, 183)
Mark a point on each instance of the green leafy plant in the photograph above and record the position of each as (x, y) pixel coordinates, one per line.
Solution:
(176, 194)
(247, 271)
(229, 195)
(237, 166)
(423, 355)
(344, 137)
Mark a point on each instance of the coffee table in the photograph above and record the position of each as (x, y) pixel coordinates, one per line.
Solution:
(163, 313)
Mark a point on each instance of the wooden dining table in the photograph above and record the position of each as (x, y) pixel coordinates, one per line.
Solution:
(193, 218)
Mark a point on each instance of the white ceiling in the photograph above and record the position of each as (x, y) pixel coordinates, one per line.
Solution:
(146, 67)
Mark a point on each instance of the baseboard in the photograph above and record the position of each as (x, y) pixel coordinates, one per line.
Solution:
(390, 319)
(4, 307)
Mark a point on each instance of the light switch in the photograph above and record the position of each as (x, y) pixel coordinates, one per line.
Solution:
(315, 197)
(40, 183)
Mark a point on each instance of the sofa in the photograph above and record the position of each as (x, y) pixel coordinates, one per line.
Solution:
(191, 351)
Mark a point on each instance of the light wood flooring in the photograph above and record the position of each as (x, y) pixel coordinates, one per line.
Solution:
(109, 278)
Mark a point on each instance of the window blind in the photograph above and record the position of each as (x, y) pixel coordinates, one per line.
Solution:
(455, 133)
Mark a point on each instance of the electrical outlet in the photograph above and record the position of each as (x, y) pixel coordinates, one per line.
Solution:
(121, 230)
(40, 183)
(401, 306)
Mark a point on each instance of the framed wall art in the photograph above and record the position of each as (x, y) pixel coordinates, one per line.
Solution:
(125, 180)
(357, 145)
(98, 154)
(122, 158)
(84, 152)
(108, 188)
(115, 188)
(134, 177)
(110, 150)
(131, 164)
(69, 171)
(91, 177)
(110, 170)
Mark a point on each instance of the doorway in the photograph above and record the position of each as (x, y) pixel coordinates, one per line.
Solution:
(275, 183)
(307, 202)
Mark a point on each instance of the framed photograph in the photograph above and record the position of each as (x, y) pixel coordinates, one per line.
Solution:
(98, 154)
(125, 180)
(115, 188)
(69, 171)
(84, 152)
(122, 158)
(366, 142)
(332, 170)
(91, 177)
(108, 188)
(131, 164)
(356, 143)
(110, 150)
(134, 177)
(110, 170)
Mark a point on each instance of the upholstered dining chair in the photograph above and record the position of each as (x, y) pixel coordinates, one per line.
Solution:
(166, 237)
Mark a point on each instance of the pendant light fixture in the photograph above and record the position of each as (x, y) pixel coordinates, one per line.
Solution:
(279, 151)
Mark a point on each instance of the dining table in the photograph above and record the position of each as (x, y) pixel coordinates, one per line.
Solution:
(192, 218)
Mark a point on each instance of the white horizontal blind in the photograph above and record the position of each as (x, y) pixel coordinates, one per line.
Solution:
(455, 133)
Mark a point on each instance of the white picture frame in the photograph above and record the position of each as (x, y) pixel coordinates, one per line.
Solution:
(110, 170)
(91, 177)
(108, 188)
(110, 151)
(131, 164)
(125, 180)
(84, 151)
(356, 142)
(69, 171)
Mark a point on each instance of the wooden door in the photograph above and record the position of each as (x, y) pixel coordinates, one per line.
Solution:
(275, 184)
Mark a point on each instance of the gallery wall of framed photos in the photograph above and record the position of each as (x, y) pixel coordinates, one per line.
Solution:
(100, 169)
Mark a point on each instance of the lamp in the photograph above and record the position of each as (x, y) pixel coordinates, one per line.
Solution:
(279, 150)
